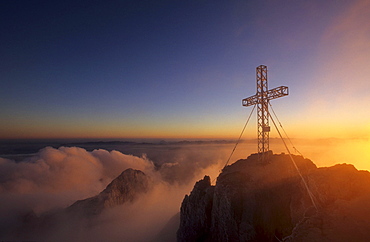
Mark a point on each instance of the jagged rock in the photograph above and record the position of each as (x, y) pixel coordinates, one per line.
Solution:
(254, 201)
(125, 188)
(197, 228)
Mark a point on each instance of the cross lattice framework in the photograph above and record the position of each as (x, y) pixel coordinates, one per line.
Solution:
(262, 99)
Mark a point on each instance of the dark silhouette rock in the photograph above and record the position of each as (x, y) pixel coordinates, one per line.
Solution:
(254, 201)
(197, 228)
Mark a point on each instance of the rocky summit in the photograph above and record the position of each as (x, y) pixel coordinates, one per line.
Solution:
(269, 201)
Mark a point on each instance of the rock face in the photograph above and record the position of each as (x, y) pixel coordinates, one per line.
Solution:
(125, 188)
(255, 201)
(196, 211)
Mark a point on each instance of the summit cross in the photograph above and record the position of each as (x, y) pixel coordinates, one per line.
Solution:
(262, 99)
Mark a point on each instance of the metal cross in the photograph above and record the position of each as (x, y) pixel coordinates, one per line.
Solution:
(261, 99)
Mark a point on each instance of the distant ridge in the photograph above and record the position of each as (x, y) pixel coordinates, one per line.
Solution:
(24, 148)
(161, 142)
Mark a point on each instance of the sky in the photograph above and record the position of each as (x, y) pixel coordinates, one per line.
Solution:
(179, 69)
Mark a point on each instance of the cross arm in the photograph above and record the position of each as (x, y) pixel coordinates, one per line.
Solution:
(270, 94)
(250, 101)
(277, 92)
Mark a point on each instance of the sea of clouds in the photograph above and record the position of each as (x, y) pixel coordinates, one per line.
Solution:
(54, 178)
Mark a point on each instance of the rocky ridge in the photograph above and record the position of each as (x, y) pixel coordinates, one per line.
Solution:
(255, 201)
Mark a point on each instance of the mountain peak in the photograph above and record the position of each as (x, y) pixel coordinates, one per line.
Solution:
(125, 188)
(254, 201)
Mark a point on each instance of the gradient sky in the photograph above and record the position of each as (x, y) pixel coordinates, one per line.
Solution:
(179, 69)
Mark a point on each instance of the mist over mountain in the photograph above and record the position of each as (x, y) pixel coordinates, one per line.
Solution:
(254, 201)
(74, 194)
(125, 188)
(129, 186)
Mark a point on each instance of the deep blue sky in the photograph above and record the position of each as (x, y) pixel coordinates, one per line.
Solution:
(179, 68)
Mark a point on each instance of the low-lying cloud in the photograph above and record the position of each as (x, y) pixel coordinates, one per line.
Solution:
(67, 173)
(55, 178)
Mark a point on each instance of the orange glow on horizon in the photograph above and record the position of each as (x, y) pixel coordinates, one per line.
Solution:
(313, 131)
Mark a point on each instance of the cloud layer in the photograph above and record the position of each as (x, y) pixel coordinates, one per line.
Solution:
(55, 178)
